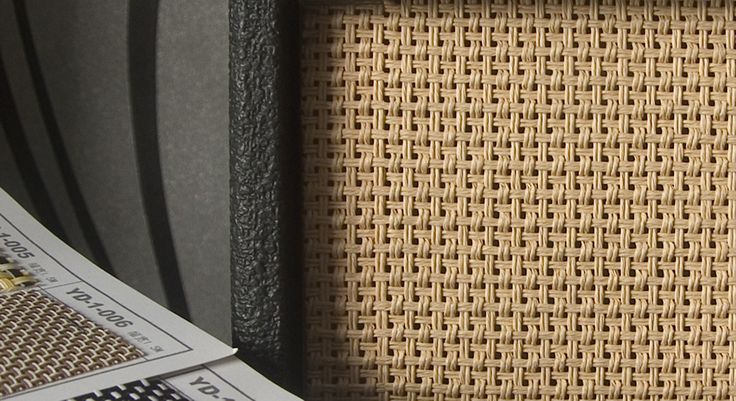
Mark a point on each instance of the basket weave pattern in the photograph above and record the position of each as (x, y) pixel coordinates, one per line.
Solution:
(44, 341)
(520, 200)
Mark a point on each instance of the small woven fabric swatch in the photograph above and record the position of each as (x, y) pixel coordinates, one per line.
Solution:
(12, 276)
(143, 390)
(520, 200)
(42, 341)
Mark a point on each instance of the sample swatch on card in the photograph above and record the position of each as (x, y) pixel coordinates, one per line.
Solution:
(48, 351)
(13, 276)
(43, 341)
(144, 390)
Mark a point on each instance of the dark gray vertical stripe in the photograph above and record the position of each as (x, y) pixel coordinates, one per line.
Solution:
(79, 205)
(142, 25)
(24, 159)
(288, 85)
(265, 182)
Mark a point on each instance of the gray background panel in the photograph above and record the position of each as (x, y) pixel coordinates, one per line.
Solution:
(193, 124)
(82, 49)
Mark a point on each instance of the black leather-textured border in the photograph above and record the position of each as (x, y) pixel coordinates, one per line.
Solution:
(265, 188)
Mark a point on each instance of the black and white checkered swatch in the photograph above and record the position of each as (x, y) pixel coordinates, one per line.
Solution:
(141, 390)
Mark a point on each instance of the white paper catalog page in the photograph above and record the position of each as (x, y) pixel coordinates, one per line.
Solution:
(225, 380)
(68, 328)
(228, 380)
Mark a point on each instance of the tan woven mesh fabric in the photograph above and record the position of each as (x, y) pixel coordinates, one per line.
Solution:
(520, 200)
(42, 341)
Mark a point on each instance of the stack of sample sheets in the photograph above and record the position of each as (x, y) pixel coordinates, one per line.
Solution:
(70, 331)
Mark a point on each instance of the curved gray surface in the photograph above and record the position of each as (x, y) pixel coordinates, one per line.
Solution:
(82, 49)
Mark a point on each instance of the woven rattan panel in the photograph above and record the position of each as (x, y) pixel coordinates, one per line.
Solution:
(43, 341)
(520, 201)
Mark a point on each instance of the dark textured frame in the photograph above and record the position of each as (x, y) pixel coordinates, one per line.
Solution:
(265, 185)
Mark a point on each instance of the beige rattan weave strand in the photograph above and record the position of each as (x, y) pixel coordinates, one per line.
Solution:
(520, 200)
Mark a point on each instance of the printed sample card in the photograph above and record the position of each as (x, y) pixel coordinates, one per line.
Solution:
(226, 380)
(39, 268)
